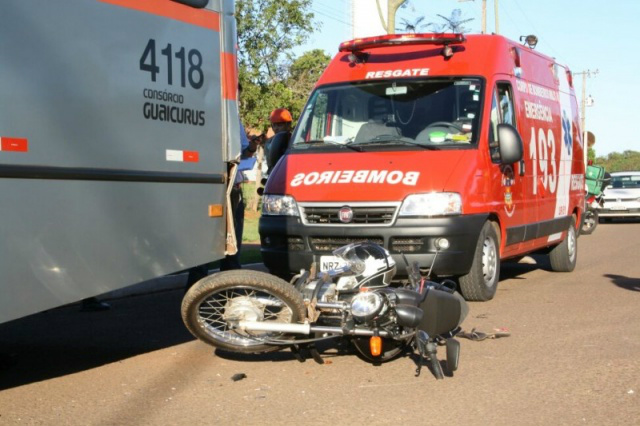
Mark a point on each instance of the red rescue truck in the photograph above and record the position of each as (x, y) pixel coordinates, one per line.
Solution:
(465, 144)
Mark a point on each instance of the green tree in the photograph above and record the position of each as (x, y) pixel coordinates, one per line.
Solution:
(268, 30)
(620, 162)
(304, 72)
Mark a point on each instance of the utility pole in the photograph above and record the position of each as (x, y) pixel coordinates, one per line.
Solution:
(583, 107)
(484, 16)
(392, 8)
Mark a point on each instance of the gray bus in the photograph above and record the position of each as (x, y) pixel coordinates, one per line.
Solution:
(118, 124)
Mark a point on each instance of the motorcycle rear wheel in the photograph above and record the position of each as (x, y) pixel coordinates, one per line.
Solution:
(210, 305)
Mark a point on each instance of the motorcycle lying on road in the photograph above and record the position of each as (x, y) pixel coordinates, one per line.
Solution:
(254, 312)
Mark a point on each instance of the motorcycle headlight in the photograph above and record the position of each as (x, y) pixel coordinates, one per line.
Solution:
(433, 204)
(366, 305)
(279, 205)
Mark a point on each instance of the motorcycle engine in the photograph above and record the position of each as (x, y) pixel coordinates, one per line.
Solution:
(326, 292)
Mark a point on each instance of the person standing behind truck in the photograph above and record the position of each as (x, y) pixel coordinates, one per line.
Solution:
(275, 147)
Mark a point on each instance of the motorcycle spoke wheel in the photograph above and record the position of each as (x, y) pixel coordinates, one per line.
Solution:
(215, 304)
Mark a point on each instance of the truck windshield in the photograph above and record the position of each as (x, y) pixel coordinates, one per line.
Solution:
(432, 113)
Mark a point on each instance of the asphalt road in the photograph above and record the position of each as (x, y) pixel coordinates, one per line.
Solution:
(573, 358)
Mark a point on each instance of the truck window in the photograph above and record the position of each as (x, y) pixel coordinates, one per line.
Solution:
(505, 98)
(502, 111)
(431, 112)
(315, 122)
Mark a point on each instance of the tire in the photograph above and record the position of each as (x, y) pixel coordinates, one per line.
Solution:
(590, 222)
(481, 283)
(206, 303)
(563, 257)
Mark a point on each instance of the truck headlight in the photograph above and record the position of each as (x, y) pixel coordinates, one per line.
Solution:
(433, 204)
(279, 205)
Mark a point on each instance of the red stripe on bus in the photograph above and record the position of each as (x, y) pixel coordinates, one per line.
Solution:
(170, 9)
(14, 144)
(191, 156)
(229, 70)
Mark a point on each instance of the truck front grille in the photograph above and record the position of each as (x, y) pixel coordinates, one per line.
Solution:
(329, 244)
(362, 215)
(407, 245)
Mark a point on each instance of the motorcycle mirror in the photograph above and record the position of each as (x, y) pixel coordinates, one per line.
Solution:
(413, 272)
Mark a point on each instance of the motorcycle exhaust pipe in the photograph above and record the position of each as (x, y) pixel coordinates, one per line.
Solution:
(306, 328)
(275, 327)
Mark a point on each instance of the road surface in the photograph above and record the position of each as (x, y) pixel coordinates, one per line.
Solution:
(573, 358)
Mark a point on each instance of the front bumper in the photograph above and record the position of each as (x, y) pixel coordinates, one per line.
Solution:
(288, 246)
(631, 212)
(620, 208)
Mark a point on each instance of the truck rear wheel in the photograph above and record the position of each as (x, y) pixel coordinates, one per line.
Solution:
(563, 257)
(481, 283)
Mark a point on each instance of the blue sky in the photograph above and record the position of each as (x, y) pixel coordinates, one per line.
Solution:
(584, 35)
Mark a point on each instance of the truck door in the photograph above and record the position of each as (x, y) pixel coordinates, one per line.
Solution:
(510, 188)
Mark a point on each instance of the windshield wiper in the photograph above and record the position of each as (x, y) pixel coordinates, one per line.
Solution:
(395, 139)
(327, 142)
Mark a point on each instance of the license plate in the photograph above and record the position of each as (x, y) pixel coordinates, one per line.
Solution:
(618, 207)
(330, 262)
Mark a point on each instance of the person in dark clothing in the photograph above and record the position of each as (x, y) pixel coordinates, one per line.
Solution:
(275, 147)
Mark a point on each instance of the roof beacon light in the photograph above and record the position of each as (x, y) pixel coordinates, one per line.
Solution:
(438, 39)
(529, 40)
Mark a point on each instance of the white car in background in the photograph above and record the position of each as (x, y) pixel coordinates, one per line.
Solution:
(622, 196)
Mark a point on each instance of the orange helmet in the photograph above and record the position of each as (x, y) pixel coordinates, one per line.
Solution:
(280, 115)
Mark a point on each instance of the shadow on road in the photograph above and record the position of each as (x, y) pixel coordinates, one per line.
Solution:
(513, 269)
(627, 283)
(327, 349)
(619, 220)
(65, 341)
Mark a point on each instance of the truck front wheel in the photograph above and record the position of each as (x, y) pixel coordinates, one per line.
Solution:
(481, 283)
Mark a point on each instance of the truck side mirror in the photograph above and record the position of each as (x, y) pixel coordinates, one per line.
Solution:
(510, 144)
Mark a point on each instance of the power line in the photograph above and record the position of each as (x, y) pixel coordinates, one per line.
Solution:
(329, 10)
(332, 17)
(538, 34)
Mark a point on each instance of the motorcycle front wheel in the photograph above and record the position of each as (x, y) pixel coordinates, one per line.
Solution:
(590, 222)
(214, 304)
(391, 349)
